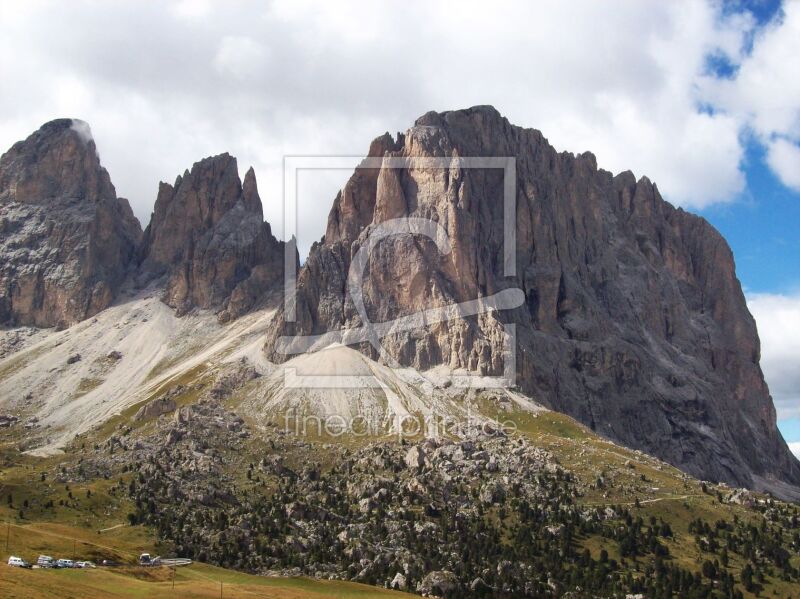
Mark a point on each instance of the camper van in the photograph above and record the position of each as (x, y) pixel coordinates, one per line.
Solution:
(45, 561)
(146, 560)
(18, 562)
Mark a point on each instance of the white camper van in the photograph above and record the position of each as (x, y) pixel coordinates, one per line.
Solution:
(18, 562)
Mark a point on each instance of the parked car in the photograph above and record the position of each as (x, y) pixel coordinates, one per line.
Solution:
(85, 564)
(18, 562)
(65, 563)
(45, 561)
(109, 563)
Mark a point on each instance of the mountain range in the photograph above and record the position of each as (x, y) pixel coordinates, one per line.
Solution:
(631, 319)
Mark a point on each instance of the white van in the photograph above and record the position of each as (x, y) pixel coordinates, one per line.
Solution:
(65, 563)
(18, 562)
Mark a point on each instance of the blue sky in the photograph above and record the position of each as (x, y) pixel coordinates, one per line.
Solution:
(761, 225)
(762, 230)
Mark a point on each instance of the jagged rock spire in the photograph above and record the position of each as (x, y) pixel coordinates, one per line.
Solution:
(208, 236)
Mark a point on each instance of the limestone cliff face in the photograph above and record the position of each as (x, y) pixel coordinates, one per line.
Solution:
(634, 321)
(207, 235)
(66, 240)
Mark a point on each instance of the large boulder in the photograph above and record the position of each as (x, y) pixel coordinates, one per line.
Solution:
(439, 583)
(155, 408)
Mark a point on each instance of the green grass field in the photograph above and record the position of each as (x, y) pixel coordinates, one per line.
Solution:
(124, 544)
(94, 528)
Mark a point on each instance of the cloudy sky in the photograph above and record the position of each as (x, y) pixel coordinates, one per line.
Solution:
(702, 97)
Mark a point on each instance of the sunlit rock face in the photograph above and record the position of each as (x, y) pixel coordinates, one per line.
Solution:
(633, 319)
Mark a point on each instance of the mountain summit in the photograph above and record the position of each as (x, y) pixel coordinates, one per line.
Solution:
(633, 323)
(208, 235)
(66, 240)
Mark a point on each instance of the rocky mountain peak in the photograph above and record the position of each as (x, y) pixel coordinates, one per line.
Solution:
(66, 240)
(633, 322)
(208, 237)
(58, 161)
(252, 201)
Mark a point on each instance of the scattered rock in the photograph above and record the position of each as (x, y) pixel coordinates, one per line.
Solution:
(480, 587)
(398, 582)
(155, 408)
(7, 420)
(742, 497)
(438, 584)
(415, 458)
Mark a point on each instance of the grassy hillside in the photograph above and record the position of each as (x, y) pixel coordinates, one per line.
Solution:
(653, 489)
(198, 580)
(87, 522)
(124, 544)
(68, 506)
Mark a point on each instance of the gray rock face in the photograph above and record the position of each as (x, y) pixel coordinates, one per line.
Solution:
(155, 408)
(438, 583)
(634, 321)
(66, 240)
(208, 236)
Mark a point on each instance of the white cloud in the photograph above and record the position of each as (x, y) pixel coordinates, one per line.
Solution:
(240, 56)
(765, 93)
(795, 447)
(191, 9)
(778, 320)
(83, 129)
(165, 85)
(783, 157)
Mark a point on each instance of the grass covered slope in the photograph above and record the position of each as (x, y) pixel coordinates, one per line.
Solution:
(199, 580)
(550, 509)
(122, 543)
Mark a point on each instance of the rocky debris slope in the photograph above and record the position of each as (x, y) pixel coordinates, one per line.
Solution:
(207, 235)
(378, 516)
(633, 319)
(130, 353)
(395, 397)
(66, 240)
(476, 516)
